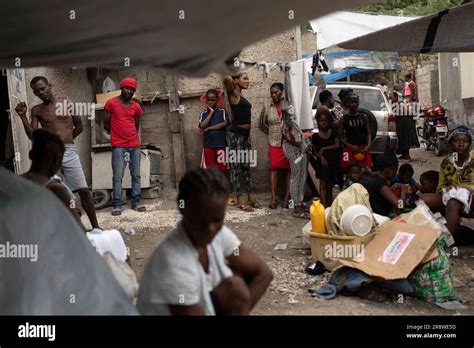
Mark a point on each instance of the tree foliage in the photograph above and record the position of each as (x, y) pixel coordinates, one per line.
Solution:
(411, 7)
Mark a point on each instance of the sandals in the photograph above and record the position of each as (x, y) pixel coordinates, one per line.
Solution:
(246, 208)
(285, 205)
(255, 205)
(301, 215)
(273, 205)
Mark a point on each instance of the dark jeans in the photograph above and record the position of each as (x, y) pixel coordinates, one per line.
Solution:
(120, 157)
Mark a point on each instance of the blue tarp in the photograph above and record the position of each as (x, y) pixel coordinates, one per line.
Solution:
(346, 63)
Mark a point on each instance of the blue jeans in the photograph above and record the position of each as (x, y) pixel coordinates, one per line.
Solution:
(120, 157)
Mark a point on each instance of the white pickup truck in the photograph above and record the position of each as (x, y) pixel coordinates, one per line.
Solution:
(378, 110)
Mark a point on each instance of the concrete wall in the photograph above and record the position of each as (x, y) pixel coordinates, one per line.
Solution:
(450, 88)
(427, 79)
(308, 42)
(74, 85)
(466, 64)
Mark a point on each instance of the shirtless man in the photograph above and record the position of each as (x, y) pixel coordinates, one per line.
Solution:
(67, 128)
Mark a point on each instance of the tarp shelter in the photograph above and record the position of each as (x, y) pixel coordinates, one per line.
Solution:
(450, 30)
(346, 63)
(47, 265)
(343, 25)
(176, 36)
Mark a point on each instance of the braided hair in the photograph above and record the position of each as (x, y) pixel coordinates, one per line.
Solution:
(202, 181)
(44, 142)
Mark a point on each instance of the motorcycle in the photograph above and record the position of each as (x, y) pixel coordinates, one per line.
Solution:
(435, 129)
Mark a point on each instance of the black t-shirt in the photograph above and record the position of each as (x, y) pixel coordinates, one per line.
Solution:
(355, 127)
(379, 204)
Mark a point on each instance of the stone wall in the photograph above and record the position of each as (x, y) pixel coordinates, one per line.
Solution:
(308, 42)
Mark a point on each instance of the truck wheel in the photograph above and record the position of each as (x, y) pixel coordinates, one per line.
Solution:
(101, 198)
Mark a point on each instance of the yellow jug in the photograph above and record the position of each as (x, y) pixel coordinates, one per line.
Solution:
(318, 217)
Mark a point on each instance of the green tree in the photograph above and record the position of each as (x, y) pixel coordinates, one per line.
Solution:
(412, 7)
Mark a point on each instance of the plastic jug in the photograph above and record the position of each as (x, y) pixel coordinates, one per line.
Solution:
(318, 217)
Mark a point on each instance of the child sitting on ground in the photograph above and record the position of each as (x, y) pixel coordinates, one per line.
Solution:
(429, 181)
(456, 180)
(405, 186)
(366, 173)
(353, 173)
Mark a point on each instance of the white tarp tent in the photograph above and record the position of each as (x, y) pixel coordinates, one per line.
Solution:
(342, 26)
(450, 30)
(47, 265)
(182, 36)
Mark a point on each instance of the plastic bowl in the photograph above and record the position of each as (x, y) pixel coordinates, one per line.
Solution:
(357, 220)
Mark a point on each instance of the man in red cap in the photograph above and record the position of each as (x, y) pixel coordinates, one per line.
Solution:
(123, 121)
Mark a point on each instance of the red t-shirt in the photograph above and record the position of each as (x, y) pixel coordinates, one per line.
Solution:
(122, 123)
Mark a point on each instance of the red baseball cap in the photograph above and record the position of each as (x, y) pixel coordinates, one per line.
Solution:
(129, 82)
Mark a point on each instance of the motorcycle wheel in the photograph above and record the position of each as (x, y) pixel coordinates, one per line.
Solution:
(439, 146)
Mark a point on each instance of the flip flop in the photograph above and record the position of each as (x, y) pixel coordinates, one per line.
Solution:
(273, 205)
(246, 208)
(302, 215)
(255, 204)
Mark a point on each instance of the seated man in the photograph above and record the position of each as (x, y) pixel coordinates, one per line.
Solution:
(46, 155)
(456, 181)
(202, 268)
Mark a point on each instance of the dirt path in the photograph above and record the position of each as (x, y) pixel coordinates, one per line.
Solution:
(265, 228)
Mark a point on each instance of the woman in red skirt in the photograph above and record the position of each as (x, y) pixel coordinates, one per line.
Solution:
(271, 123)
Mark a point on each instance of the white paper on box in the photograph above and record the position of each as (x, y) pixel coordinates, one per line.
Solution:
(396, 247)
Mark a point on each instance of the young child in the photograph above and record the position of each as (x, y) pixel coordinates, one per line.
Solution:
(405, 177)
(429, 181)
(212, 123)
(325, 152)
(354, 133)
(366, 173)
(405, 186)
(353, 173)
(456, 178)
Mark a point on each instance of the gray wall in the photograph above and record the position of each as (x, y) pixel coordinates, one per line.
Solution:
(450, 88)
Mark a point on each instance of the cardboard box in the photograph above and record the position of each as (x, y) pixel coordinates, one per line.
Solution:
(102, 98)
(396, 250)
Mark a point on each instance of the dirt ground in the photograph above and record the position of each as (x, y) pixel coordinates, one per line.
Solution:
(265, 228)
